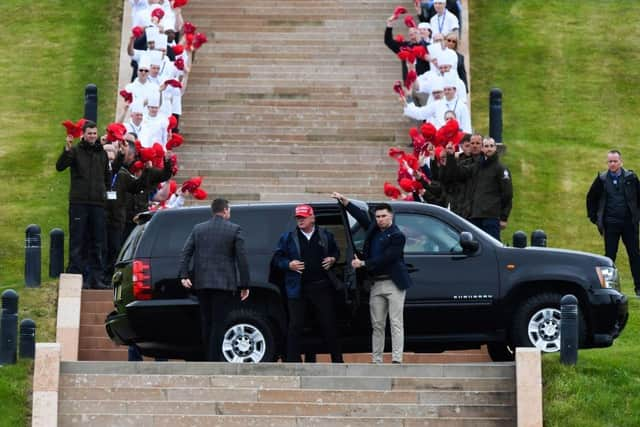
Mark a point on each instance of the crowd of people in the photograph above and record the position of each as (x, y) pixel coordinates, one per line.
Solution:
(128, 170)
(449, 165)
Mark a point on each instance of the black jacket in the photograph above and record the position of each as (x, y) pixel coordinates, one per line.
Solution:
(90, 174)
(126, 184)
(490, 182)
(422, 66)
(391, 262)
(460, 190)
(596, 197)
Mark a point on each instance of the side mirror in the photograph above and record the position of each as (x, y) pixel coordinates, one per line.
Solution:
(468, 243)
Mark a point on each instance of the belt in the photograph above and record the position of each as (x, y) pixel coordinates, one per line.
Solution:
(381, 277)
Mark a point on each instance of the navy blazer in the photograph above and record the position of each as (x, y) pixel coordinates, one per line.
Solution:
(391, 261)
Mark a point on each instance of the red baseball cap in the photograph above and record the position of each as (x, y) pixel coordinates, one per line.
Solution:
(304, 211)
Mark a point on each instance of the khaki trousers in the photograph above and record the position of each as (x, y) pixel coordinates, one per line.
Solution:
(386, 299)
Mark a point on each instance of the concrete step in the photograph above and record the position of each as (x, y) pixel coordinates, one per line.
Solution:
(117, 354)
(460, 371)
(95, 295)
(108, 420)
(324, 409)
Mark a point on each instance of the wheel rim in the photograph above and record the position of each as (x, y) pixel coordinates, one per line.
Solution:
(243, 343)
(544, 330)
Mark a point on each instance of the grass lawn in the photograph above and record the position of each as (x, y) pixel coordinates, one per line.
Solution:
(568, 72)
(53, 49)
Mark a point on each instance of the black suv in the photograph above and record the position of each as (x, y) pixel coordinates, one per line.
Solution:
(469, 289)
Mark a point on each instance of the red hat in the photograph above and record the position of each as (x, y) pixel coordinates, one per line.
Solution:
(395, 152)
(391, 191)
(179, 3)
(412, 76)
(191, 184)
(304, 211)
(406, 184)
(146, 154)
(173, 82)
(199, 40)
(175, 141)
(397, 87)
(136, 166)
(173, 122)
(174, 164)
(199, 194)
(116, 132)
(428, 131)
(399, 38)
(406, 54)
(419, 51)
(399, 10)
(189, 37)
(447, 132)
(74, 129)
(128, 96)
(173, 186)
(137, 31)
(188, 28)
(178, 49)
(157, 13)
(179, 63)
(409, 22)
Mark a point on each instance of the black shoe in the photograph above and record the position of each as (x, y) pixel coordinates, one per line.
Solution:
(395, 362)
(100, 285)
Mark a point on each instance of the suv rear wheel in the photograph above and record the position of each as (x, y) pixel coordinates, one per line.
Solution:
(537, 323)
(248, 338)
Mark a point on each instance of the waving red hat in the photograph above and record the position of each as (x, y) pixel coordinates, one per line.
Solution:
(173, 122)
(174, 164)
(157, 13)
(412, 76)
(199, 40)
(179, 63)
(399, 38)
(175, 141)
(188, 28)
(448, 133)
(137, 32)
(399, 10)
(409, 22)
(428, 131)
(137, 166)
(127, 96)
(174, 83)
(397, 88)
(179, 3)
(74, 129)
(178, 49)
(406, 54)
(191, 184)
(199, 194)
(419, 51)
(395, 153)
(391, 190)
(116, 132)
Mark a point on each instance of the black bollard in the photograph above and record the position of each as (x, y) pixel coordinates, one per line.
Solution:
(9, 328)
(91, 102)
(32, 256)
(519, 239)
(56, 253)
(495, 115)
(27, 339)
(539, 238)
(569, 330)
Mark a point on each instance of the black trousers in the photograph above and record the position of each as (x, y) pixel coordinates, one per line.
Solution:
(320, 301)
(629, 233)
(112, 248)
(86, 242)
(214, 306)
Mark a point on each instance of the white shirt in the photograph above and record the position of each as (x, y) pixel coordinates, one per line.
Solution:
(154, 129)
(308, 235)
(462, 113)
(132, 128)
(142, 91)
(427, 112)
(444, 24)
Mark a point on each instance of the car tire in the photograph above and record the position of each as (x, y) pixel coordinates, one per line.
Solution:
(536, 323)
(501, 352)
(248, 337)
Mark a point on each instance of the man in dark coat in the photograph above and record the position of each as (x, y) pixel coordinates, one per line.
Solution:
(217, 248)
(613, 205)
(90, 178)
(383, 260)
(492, 188)
(306, 255)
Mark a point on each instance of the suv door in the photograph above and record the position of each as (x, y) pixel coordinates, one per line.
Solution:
(452, 292)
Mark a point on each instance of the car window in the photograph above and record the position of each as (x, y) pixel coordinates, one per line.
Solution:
(130, 245)
(426, 234)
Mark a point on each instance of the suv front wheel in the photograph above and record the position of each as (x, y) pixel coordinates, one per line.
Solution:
(537, 323)
(248, 338)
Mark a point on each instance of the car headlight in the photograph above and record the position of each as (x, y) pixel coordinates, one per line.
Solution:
(608, 277)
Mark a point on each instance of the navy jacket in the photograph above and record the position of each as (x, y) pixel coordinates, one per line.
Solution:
(289, 249)
(391, 262)
(597, 197)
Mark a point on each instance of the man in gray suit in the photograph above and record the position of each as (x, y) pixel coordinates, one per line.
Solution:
(217, 247)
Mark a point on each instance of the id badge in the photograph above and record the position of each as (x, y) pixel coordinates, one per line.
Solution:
(112, 195)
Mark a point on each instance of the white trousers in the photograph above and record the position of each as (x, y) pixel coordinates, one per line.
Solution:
(386, 299)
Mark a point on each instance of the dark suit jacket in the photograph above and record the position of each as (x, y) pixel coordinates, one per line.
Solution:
(216, 247)
(391, 262)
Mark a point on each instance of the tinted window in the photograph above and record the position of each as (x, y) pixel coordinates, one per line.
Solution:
(130, 245)
(171, 229)
(426, 234)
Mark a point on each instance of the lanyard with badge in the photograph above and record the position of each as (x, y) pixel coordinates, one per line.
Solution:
(112, 195)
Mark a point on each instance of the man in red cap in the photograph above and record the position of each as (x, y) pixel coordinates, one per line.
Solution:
(306, 255)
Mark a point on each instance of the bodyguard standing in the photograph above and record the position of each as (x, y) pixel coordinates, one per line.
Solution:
(217, 248)
(306, 255)
(383, 259)
(613, 205)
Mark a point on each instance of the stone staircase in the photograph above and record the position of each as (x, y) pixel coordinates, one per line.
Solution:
(218, 394)
(292, 99)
